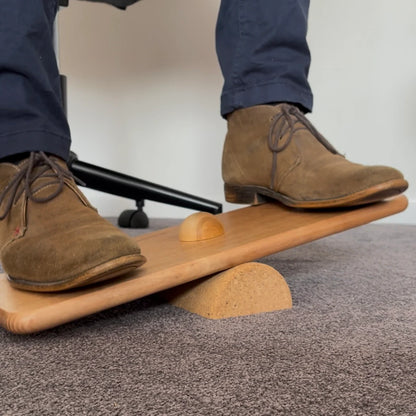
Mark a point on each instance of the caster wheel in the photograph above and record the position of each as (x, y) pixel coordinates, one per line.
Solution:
(132, 218)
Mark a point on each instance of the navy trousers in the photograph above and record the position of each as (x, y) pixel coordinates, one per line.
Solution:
(261, 46)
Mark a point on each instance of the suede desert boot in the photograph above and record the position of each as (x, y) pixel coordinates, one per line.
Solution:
(51, 238)
(274, 151)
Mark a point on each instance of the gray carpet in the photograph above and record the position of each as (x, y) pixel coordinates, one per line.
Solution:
(346, 348)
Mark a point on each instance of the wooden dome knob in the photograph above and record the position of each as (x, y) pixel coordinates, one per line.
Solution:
(200, 226)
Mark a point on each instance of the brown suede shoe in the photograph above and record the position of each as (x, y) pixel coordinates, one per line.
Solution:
(274, 151)
(51, 238)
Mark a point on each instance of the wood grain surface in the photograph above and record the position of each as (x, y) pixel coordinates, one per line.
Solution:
(250, 233)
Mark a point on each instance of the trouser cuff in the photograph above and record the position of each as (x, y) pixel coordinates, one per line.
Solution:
(31, 141)
(263, 94)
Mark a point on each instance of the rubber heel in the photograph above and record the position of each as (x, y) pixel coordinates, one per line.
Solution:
(243, 195)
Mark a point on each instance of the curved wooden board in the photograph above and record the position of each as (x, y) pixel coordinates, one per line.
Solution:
(250, 233)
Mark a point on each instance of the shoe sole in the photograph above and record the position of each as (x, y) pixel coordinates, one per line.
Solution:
(255, 195)
(105, 271)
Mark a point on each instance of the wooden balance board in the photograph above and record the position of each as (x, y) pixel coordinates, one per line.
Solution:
(249, 234)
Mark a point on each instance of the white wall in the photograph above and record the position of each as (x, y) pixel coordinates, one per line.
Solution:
(144, 90)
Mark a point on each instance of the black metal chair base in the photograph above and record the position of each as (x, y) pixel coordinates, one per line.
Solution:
(115, 183)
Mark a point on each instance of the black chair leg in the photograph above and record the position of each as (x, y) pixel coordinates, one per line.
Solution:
(115, 183)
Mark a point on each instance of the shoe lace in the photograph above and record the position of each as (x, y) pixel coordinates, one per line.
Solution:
(28, 174)
(290, 120)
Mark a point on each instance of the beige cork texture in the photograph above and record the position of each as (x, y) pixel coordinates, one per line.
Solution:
(247, 289)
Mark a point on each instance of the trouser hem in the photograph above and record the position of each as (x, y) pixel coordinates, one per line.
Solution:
(34, 140)
(263, 94)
